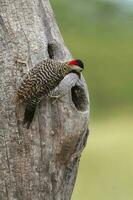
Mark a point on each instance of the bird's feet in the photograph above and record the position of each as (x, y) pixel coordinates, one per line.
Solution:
(57, 97)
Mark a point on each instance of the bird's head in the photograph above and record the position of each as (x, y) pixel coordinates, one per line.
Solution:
(76, 66)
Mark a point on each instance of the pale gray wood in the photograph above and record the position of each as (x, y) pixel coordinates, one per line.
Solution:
(42, 162)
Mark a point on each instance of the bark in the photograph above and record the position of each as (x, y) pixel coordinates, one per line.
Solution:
(42, 162)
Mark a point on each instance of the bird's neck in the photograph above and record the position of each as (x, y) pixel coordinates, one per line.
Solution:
(64, 69)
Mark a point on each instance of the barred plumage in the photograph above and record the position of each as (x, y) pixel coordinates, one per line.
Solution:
(40, 80)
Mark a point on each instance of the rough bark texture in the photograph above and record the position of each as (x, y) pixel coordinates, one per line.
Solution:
(42, 162)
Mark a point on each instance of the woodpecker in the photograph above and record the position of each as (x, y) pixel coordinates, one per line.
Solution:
(40, 81)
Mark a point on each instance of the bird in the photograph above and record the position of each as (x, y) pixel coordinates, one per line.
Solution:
(40, 81)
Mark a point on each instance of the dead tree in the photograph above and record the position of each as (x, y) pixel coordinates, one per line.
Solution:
(42, 162)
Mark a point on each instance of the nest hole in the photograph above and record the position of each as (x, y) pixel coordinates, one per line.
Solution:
(52, 50)
(79, 98)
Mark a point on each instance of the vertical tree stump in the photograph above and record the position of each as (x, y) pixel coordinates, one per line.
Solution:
(42, 162)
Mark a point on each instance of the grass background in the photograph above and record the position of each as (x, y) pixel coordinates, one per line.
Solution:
(101, 34)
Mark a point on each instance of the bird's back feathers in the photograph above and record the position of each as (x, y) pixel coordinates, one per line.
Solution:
(40, 80)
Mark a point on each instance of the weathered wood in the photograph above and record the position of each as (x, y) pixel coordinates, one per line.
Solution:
(42, 162)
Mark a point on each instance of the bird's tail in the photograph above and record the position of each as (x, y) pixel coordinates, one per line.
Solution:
(29, 114)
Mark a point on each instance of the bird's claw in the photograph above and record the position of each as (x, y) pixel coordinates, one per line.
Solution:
(57, 98)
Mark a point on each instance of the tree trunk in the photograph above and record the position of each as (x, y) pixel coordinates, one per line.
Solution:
(42, 162)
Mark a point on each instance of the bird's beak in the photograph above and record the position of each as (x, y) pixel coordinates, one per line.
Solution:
(76, 72)
(79, 74)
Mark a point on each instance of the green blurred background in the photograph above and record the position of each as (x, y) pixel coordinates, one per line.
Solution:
(101, 34)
